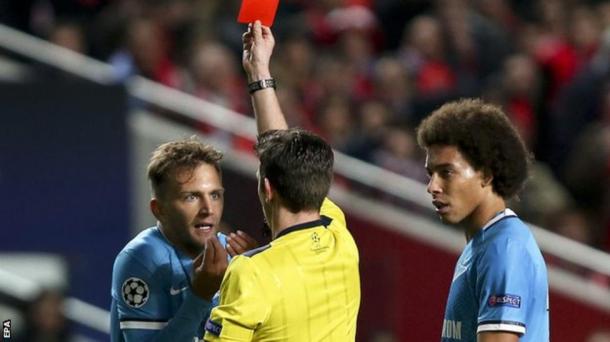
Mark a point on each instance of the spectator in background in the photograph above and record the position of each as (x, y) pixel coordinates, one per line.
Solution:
(522, 88)
(577, 105)
(562, 49)
(519, 91)
(296, 63)
(69, 35)
(334, 79)
(501, 13)
(587, 166)
(296, 115)
(393, 87)
(213, 76)
(145, 53)
(476, 46)
(573, 224)
(46, 321)
(424, 54)
(38, 17)
(399, 153)
(372, 121)
(541, 187)
(335, 122)
(576, 224)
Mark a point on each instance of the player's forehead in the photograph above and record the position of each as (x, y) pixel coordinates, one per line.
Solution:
(444, 155)
(203, 176)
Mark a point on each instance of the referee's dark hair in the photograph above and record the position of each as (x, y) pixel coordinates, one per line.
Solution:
(298, 164)
(486, 138)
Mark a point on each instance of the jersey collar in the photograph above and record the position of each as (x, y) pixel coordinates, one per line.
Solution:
(323, 221)
(499, 216)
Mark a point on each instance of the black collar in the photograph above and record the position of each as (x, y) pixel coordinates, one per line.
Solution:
(323, 221)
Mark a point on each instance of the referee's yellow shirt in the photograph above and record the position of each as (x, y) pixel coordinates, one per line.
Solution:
(303, 286)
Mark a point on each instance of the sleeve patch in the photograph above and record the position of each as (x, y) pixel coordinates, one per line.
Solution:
(213, 327)
(135, 292)
(513, 301)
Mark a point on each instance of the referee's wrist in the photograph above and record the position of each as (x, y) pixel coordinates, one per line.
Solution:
(261, 84)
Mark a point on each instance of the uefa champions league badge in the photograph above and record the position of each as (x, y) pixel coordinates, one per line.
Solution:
(135, 292)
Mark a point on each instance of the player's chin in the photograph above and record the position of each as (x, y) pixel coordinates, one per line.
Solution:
(202, 235)
(447, 218)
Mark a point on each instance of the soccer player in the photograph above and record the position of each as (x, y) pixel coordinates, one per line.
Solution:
(476, 161)
(304, 285)
(157, 292)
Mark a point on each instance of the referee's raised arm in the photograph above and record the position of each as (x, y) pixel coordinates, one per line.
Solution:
(258, 46)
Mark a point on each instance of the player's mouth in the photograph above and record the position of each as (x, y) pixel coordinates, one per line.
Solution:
(204, 228)
(441, 207)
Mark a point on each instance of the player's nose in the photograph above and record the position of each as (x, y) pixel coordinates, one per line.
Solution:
(433, 185)
(206, 207)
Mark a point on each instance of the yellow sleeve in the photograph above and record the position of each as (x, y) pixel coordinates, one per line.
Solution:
(330, 209)
(242, 304)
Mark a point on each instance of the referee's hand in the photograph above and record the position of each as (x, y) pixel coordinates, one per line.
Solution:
(258, 43)
(209, 269)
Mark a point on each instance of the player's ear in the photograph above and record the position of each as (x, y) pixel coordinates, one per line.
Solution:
(156, 208)
(486, 179)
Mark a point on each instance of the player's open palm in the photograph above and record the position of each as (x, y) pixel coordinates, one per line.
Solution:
(239, 243)
(209, 269)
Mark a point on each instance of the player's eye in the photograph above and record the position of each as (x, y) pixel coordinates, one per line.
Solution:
(216, 195)
(446, 173)
(190, 197)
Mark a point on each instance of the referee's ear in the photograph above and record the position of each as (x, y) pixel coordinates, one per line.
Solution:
(268, 190)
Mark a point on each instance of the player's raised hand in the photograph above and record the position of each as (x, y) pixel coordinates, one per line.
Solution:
(258, 43)
(240, 242)
(209, 269)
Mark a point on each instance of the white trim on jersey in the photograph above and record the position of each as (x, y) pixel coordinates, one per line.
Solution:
(519, 329)
(505, 213)
(142, 325)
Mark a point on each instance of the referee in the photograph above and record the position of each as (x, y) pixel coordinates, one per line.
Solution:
(304, 285)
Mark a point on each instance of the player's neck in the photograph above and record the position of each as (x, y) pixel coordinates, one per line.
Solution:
(169, 237)
(284, 218)
(483, 213)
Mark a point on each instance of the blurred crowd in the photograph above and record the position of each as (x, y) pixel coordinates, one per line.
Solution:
(363, 73)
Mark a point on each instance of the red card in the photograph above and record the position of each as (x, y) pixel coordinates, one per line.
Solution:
(263, 10)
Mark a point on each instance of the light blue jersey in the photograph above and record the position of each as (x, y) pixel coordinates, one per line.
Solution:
(500, 284)
(151, 293)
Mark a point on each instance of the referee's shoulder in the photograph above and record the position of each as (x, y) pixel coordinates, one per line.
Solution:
(253, 252)
(332, 211)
